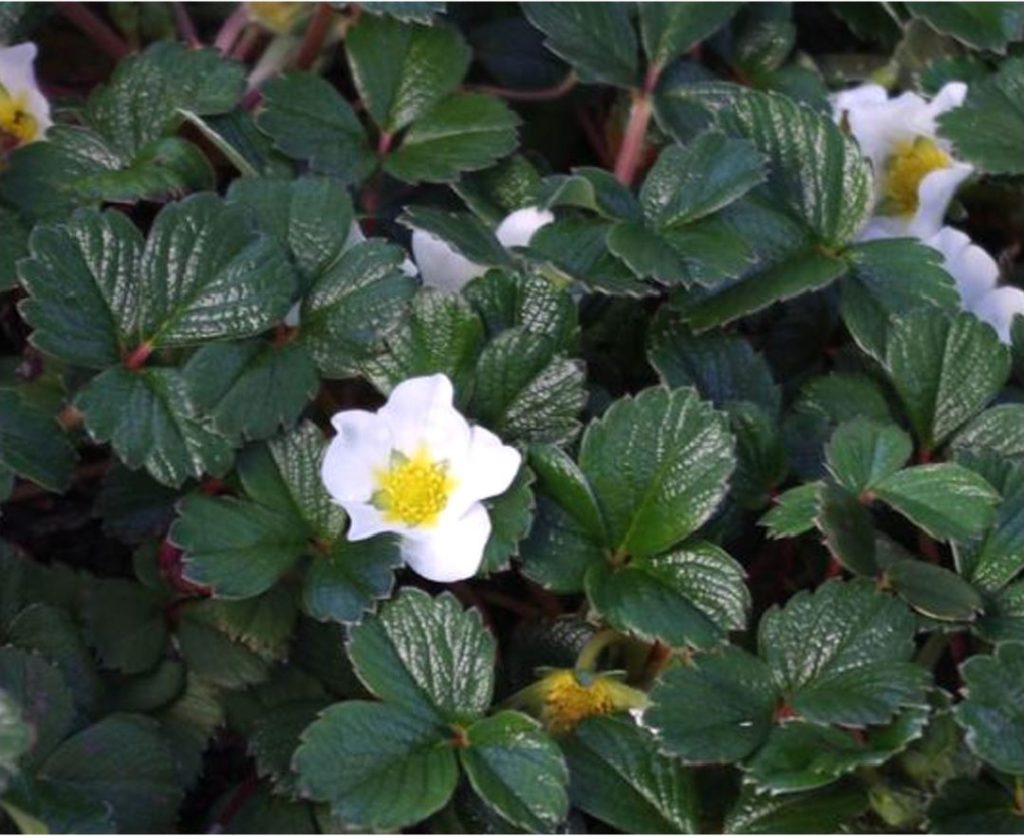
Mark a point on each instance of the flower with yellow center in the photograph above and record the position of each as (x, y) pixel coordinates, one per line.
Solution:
(915, 173)
(418, 469)
(563, 698)
(24, 111)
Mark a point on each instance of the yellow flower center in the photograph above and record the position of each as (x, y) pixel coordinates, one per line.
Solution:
(280, 18)
(413, 491)
(567, 701)
(906, 168)
(17, 125)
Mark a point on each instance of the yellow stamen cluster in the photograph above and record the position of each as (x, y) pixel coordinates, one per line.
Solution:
(567, 701)
(16, 122)
(413, 491)
(280, 18)
(911, 162)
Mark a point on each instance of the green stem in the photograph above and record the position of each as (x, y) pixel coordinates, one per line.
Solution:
(595, 646)
(932, 650)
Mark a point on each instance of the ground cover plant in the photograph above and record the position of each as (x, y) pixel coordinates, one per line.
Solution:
(512, 418)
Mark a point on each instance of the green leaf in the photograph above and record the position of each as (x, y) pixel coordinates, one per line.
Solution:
(999, 428)
(251, 389)
(794, 513)
(525, 392)
(511, 517)
(402, 70)
(126, 624)
(134, 507)
(505, 300)
(980, 25)
(239, 548)
(591, 188)
(263, 624)
(41, 805)
(462, 231)
(15, 737)
(517, 770)
(13, 246)
(983, 127)
(33, 445)
(465, 132)
(863, 453)
(619, 776)
(379, 767)
(716, 710)
(890, 277)
(275, 737)
(597, 39)
(841, 654)
(802, 273)
(659, 465)
(671, 29)
(934, 591)
(352, 305)
(310, 121)
(152, 422)
(827, 809)
(647, 255)
(693, 595)
(992, 561)
(45, 702)
(342, 585)
(125, 761)
(690, 182)
(417, 11)
(761, 457)
(945, 371)
(846, 528)
(833, 198)
(440, 334)
(992, 712)
(967, 805)
(426, 655)
(948, 501)
(722, 367)
(211, 655)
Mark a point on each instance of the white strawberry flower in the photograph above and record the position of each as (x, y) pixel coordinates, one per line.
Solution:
(444, 269)
(418, 469)
(916, 175)
(977, 274)
(24, 111)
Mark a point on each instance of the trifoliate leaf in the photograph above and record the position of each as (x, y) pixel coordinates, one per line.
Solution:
(693, 595)
(983, 128)
(352, 305)
(862, 453)
(403, 69)
(517, 770)
(992, 712)
(948, 501)
(716, 710)
(32, 443)
(597, 39)
(670, 29)
(309, 120)
(465, 132)
(378, 766)
(945, 370)
(841, 654)
(426, 655)
(151, 421)
(620, 777)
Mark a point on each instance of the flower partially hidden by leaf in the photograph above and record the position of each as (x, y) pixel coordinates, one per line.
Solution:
(24, 111)
(562, 698)
(976, 274)
(418, 469)
(916, 175)
(445, 269)
(279, 18)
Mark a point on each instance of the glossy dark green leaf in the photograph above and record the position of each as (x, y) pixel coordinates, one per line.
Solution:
(761, 459)
(982, 26)
(275, 738)
(862, 453)
(125, 624)
(992, 712)
(847, 529)
(426, 655)
(505, 300)
(671, 29)
(934, 591)
(620, 777)
(348, 581)
(999, 428)
(32, 443)
(795, 512)
(809, 812)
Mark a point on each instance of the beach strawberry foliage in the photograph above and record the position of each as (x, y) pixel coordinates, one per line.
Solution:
(541, 417)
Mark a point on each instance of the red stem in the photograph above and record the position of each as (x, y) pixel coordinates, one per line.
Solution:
(231, 29)
(313, 40)
(543, 94)
(99, 33)
(185, 26)
(138, 357)
(636, 129)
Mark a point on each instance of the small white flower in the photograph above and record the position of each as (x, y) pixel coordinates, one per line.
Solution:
(976, 274)
(24, 111)
(447, 270)
(418, 469)
(915, 173)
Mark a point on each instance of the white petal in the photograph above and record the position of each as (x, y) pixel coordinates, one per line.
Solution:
(365, 521)
(999, 307)
(974, 270)
(518, 228)
(865, 94)
(492, 466)
(17, 74)
(362, 445)
(451, 552)
(951, 96)
(884, 226)
(420, 413)
(934, 194)
(294, 315)
(877, 127)
(440, 266)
